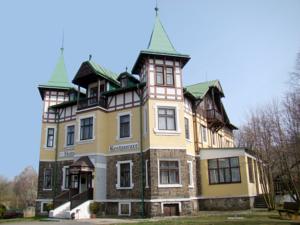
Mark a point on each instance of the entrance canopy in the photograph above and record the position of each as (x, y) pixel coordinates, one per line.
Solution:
(83, 164)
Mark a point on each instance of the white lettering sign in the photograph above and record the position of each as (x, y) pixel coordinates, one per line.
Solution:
(126, 147)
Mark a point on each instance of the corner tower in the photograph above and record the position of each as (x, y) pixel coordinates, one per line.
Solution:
(160, 65)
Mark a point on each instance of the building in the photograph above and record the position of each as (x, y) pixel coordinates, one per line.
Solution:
(140, 143)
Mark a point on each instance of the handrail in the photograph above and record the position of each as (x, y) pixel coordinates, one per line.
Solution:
(80, 198)
(61, 199)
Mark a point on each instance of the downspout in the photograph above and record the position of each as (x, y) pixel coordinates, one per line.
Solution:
(142, 153)
(56, 155)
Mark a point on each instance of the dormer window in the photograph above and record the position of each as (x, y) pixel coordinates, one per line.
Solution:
(164, 75)
(124, 82)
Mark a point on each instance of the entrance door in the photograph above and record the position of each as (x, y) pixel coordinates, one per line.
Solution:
(83, 183)
(171, 210)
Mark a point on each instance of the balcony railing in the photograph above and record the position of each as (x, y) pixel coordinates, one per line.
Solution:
(91, 102)
(213, 115)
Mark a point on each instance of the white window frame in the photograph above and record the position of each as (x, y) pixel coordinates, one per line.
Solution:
(158, 173)
(118, 185)
(177, 124)
(79, 127)
(119, 208)
(46, 137)
(42, 205)
(48, 189)
(190, 173)
(66, 135)
(118, 138)
(146, 174)
(64, 178)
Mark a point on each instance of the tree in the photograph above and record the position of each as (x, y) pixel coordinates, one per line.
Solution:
(25, 187)
(273, 131)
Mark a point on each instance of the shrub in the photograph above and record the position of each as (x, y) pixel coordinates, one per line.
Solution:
(2, 210)
(49, 207)
(94, 207)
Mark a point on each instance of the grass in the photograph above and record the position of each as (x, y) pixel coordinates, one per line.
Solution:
(16, 220)
(223, 218)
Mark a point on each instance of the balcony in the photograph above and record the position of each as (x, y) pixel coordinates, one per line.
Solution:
(215, 120)
(92, 102)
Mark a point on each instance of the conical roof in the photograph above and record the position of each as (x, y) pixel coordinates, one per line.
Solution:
(59, 77)
(159, 40)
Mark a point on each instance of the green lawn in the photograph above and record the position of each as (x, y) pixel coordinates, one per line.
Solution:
(223, 218)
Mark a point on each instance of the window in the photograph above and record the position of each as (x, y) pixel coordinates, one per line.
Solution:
(222, 171)
(124, 126)
(124, 82)
(187, 129)
(66, 174)
(124, 175)
(166, 119)
(124, 209)
(190, 171)
(204, 133)
(86, 128)
(70, 135)
(164, 75)
(250, 170)
(159, 75)
(169, 172)
(50, 137)
(47, 179)
(169, 76)
(93, 95)
(213, 137)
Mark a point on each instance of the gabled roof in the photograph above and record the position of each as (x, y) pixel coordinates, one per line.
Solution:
(129, 76)
(199, 90)
(59, 77)
(89, 68)
(105, 73)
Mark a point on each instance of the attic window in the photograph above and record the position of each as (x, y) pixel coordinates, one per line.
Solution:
(124, 82)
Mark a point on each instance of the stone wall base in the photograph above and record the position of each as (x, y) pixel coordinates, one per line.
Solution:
(224, 204)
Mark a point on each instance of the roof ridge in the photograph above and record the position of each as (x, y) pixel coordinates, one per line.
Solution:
(202, 82)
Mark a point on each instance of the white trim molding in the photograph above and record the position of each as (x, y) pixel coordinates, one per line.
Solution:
(119, 208)
(118, 185)
(158, 172)
(118, 138)
(46, 137)
(157, 131)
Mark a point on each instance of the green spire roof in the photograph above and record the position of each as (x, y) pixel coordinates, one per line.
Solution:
(159, 41)
(59, 76)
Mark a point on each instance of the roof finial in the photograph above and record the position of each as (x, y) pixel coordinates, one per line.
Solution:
(156, 9)
(90, 57)
(62, 41)
(126, 68)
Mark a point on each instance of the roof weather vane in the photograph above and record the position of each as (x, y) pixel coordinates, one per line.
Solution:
(156, 8)
(62, 41)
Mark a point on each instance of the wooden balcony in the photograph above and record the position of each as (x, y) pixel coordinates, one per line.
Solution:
(215, 120)
(92, 102)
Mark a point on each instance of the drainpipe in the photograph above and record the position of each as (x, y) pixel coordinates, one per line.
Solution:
(142, 153)
(56, 156)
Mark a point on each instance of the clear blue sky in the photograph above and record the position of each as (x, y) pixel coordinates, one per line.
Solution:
(249, 45)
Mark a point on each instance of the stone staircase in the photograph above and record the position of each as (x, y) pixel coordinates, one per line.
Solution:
(259, 202)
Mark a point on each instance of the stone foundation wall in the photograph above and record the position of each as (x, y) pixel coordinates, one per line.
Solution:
(224, 204)
(49, 194)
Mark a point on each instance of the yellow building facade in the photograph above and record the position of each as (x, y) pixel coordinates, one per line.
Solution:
(141, 143)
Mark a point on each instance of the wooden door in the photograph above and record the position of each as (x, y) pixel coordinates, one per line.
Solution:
(171, 210)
